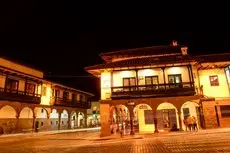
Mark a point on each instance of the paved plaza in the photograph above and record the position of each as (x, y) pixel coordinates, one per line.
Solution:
(209, 141)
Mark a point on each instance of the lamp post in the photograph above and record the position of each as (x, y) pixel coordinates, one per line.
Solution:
(131, 105)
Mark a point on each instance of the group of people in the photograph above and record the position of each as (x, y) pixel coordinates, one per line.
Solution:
(190, 123)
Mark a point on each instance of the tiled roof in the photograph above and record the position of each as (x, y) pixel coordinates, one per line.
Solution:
(143, 62)
(147, 61)
(154, 50)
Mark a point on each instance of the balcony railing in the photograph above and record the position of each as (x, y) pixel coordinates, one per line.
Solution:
(72, 103)
(159, 90)
(19, 96)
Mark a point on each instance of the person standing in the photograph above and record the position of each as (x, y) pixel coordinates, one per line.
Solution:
(195, 128)
(186, 124)
(190, 123)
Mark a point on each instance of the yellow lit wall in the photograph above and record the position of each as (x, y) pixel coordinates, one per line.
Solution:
(46, 100)
(21, 86)
(119, 75)
(105, 85)
(2, 81)
(214, 91)
(150, 72)
(141, 120)
(21, 68)
(177, 70)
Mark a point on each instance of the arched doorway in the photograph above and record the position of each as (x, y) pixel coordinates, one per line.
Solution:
(143, 118)
(190, 109)
(25, 121)
(73, 120)
(7, 119)
(64, 120)
(54, 119)
(81, 120)
(41, 122)
(167, 117)
(120, 119)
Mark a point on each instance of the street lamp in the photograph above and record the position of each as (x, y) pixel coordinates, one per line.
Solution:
(131, 104)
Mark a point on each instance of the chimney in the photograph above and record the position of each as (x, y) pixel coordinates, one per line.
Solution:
(174, 43)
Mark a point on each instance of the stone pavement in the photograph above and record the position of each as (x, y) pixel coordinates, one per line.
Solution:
(206, 141)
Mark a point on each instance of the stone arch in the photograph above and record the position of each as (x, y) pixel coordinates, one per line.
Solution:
(190, 108)
(8, 112)
(64, 119)
(73, 120)
(81, 119)
(167, 117)
(26, 119)
(41, 121)
(143, 115)
(54, 119)
(26, 112)
(8, 119)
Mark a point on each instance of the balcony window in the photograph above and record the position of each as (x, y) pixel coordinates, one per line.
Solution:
(12, 85)
(175, 80)
(214, 80)
(66, 95)
(127, 82)
(30, 88)
(151, 82)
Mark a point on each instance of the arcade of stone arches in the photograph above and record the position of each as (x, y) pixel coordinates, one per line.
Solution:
(167, 117)
(38, 118)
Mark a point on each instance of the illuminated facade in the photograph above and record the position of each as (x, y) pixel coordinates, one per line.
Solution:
(156, 88)
(28, 102)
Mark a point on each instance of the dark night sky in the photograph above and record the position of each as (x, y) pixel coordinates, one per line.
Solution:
(62, 38)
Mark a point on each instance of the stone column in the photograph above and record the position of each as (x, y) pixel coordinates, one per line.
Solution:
(180, 120)
(69, 121)
(155, 121)
(16, 124)
(132, 132)
(59, 121)
(105, 120)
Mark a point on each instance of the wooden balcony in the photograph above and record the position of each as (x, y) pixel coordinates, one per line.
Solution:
(72, 103)
(19, 96)
(160, 90)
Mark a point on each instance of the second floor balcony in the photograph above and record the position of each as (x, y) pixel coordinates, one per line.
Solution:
(154, 90)
(72, 103)
(19, 96)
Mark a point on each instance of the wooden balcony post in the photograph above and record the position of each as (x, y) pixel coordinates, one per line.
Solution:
(191, 75)
(25, 86)
(111, 81)
(6, 82)
(163, 69)
(137, 79)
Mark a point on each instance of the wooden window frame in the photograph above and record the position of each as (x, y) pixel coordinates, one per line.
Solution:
(129, 81)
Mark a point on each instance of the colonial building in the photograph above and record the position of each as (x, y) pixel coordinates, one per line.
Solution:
(155, 88)
(28, 102)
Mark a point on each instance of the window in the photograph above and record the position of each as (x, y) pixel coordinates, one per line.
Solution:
(150, 81)
(175, 81)
(66, 95)
(51, 122)
(30, 88)
(41, 123)
(214, 80)
(73, 97)
(81, 98)
(11, 85)
(42, 110)
(43, 91)
(128, 82)
(225, 110)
